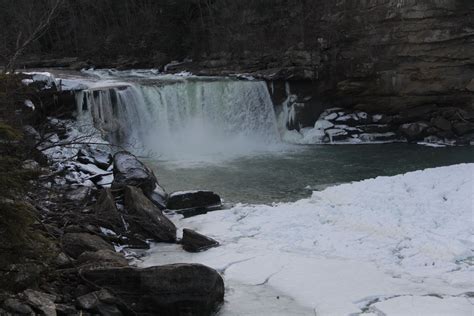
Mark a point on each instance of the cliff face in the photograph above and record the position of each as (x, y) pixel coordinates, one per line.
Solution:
(374, 55)
(412, 60)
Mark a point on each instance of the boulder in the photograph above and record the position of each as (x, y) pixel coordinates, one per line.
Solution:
(375, 128)
(78, 194)
(414, 131)
(107, 213)
(193, 200)
(378, 137)
(19, 276)
(159, 197)
(177, 289)
(103, 257)
(101, 302)
(16, 307)
(195, 242)
(63, 261)
(128, 170)
(100, 158)
(336, 134)
(74, 244)
(145, 218)
(441, 123)
(41, 301)
(462, 128)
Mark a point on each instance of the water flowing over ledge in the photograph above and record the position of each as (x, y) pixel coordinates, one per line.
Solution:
(184, 119)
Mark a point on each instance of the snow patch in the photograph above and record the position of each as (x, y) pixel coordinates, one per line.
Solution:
(409, 235)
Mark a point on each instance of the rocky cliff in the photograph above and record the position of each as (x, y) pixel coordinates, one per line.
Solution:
(385, 56)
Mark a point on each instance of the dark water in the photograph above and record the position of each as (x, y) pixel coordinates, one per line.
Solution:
(295, 174)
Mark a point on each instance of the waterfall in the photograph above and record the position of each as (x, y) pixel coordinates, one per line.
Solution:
(184, 118)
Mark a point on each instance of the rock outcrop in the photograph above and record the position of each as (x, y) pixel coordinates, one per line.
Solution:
(145, 218)
(177, 289)
(380, 56)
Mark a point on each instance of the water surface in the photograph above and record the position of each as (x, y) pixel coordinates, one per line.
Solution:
(293, 174)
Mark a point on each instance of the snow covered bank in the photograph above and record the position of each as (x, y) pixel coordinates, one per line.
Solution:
(397, 245)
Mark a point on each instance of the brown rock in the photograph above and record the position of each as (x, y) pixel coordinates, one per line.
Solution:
(74, 244)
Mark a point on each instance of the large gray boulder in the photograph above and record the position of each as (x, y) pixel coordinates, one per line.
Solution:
(177, 289)
(128, 170)
(145, 218)
(74, 244)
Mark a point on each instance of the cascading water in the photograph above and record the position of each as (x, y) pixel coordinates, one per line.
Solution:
(188, 119)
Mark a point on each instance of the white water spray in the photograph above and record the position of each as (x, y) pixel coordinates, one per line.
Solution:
(187, 119)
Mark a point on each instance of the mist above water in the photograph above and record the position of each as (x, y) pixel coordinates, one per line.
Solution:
(186, 119)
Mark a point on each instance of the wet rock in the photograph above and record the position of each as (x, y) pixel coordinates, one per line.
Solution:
(101, 302)
(41, 301)
(193, 200)
(15, 306)
(177, 289)
(146, 218)
(74, 244)
(78, 194)
(195, 242)
(100, 158)
(104, 257)
(159, 197)
(128, 170)
(107, 213)
(414, 131)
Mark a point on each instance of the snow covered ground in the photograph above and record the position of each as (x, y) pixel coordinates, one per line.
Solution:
(399, 245)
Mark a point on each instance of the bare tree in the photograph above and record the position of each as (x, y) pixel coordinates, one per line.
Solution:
(28, 34)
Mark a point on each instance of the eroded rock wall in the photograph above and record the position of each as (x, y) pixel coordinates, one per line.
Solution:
(373, 55)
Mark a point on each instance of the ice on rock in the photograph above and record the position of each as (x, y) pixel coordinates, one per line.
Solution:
(347, 117)
(331, 117)
(377, 117)
(29, 104)
(292, 137)
(323, 124)
(312, 135)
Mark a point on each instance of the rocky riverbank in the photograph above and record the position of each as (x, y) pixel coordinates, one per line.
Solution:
(88, 211)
